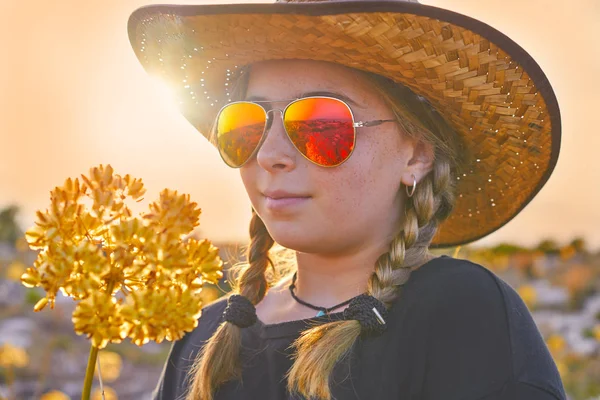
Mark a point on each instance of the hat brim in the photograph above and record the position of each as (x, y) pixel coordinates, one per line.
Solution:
(490, 90)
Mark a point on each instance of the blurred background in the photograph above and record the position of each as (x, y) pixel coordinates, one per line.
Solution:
(72, 96)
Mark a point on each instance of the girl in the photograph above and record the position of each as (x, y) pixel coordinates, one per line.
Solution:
(365, 133)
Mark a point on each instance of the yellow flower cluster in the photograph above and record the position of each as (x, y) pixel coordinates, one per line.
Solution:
(132, 277)
(13, 356)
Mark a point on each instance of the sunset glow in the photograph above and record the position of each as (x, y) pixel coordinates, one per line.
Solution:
(74, 95)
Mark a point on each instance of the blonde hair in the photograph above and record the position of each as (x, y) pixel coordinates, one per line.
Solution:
(320, 348)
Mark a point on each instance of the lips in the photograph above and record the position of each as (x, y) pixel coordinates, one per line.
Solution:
(280, 200)
(282, 194)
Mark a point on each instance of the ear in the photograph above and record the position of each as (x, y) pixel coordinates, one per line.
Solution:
(420, 162)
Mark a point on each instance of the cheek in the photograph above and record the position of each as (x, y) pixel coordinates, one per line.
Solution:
(348, 190)
(368, 181)
(249, 180)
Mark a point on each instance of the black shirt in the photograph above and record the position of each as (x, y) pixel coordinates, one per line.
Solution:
(456, 332)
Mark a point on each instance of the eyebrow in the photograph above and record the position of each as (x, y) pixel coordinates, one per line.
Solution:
(309, 94)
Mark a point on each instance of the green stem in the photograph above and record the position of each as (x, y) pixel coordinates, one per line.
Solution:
(89, 373)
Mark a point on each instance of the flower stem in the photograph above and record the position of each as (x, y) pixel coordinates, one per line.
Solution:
(89, 373)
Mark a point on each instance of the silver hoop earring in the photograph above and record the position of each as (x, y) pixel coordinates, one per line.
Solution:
(414, 186)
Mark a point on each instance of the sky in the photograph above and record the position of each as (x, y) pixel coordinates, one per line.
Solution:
(73, 96)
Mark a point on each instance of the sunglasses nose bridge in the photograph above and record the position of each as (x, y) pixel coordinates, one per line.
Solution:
(275, 109)
(270, 119)
(275, 147)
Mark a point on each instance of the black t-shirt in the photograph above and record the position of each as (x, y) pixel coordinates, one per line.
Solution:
(456, 332)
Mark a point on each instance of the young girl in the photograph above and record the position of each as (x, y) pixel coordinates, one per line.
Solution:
(365, 133)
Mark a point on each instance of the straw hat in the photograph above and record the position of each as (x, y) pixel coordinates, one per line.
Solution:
(485, 85)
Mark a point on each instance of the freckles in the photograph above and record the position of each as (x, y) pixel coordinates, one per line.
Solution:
(350, 190)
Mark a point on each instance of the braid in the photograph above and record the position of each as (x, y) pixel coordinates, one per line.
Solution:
(319, 349)
(251, 282)
(218, 361)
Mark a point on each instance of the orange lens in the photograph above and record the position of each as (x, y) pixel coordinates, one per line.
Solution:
(240, 127)
(322, 129)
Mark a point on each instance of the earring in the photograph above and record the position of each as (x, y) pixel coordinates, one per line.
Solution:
(414, 186)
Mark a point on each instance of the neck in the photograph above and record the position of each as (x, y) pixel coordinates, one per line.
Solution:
(329, 280)
(325, 281)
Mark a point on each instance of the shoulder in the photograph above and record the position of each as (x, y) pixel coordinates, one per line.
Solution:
(480, 326)
(458, 295)
(464, 294)
(458, 289)
(448, 281)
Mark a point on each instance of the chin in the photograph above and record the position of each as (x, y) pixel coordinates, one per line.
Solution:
(304, 241)
(296, 245)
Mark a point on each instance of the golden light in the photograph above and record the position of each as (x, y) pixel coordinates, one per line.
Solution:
(162, 94)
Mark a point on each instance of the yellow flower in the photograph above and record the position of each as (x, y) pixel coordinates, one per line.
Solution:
(156, 314)
(528, 294)
(55, 395)
(174, 213)
(90, 270)
(205, 258)
(31, 277)
(110, 365)
(99, 318)
(96, 253)
(12, 356)
(109, 394)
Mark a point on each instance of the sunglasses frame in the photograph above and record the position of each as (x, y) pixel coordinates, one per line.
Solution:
(355, 124)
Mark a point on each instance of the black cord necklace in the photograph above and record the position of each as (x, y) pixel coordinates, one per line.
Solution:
(321, 310)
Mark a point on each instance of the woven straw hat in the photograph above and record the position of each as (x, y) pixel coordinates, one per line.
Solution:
(485, 85)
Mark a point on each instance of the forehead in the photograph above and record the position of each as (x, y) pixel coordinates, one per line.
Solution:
(295, 77)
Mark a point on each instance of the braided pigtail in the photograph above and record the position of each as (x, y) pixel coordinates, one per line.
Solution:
(218, 361)
(320, 348)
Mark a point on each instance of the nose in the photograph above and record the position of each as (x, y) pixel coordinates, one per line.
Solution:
(276, 151)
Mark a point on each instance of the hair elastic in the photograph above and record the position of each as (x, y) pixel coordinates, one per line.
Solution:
(240, 311)
(369, 312)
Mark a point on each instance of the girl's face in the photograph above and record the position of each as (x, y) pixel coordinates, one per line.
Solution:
(338, 209)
